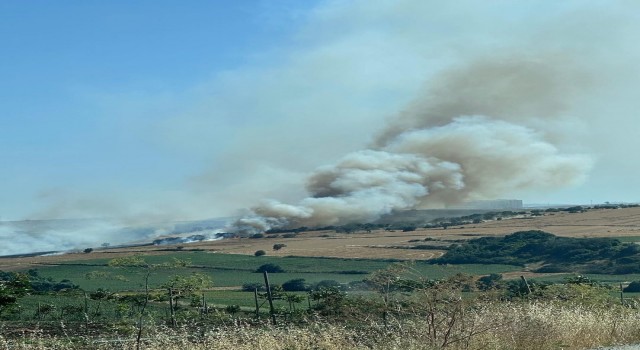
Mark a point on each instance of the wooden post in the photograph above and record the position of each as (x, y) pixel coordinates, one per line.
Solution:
(621, 294)
(86, 313)
(526, 284)
(255, 297)
(384, 312)
(271, 310)
(171, 308)
(204, 306)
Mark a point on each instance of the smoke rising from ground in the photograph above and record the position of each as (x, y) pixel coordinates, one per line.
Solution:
(30, 236)
(478, 133)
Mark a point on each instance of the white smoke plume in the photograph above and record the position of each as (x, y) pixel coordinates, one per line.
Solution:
(480, 132)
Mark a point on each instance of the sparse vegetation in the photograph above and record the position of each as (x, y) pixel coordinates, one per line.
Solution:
(279, 246)
(406, 312)
(338, 303)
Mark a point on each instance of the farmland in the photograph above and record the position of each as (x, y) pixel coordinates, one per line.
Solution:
(95, 296)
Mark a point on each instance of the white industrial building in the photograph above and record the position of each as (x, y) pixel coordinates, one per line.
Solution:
(494, 204)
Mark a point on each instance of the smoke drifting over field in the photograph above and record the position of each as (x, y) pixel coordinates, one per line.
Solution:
(479, 132)
(67, 235)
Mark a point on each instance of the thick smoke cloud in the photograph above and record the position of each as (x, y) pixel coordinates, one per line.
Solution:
(526, 91)
(479, 132)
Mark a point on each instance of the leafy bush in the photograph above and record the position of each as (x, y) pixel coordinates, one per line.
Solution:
(270, 268)
(633, 287)
(12, 286)
(489, 282)
(232, 309)
(251, 286)
(295, 285)
(259, 253)
(327, 284)
(279, 246)
(49, 286)
(576, 209)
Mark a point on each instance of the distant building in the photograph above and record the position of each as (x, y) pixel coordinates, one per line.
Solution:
(495, 204)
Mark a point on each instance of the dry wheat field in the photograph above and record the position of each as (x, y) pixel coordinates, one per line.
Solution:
(381, 244)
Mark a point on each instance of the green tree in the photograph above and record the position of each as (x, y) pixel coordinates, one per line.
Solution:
(295, 285)
(12, 287)
(270, 268)
(186, 286)
(327, 284)
(386, 282)
(329, 301)
(292, 299)
(139, 264)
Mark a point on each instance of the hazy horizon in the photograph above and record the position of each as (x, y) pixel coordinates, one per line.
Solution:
(290, 112)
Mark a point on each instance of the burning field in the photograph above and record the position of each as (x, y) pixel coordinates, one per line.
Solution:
(484, 130)
(381, 244)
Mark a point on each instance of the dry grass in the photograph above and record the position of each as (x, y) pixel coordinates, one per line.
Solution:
(383, 244)
(380, 244)
(538, 326)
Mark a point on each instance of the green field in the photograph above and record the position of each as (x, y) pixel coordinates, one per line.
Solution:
(627, 238)
(229, 270)
(85, 313)
(232, 271)
(226, 270)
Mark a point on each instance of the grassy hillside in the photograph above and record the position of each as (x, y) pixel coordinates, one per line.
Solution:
(556, 254)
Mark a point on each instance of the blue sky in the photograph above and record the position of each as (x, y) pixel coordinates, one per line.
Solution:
(63, 62)
(196, 109)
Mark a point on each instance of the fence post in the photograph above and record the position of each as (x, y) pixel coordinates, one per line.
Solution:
(255, 297)
(621, 294)
(203, 311)
(526, 284)
(271, 310)
(171, 308)
(86, 313)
